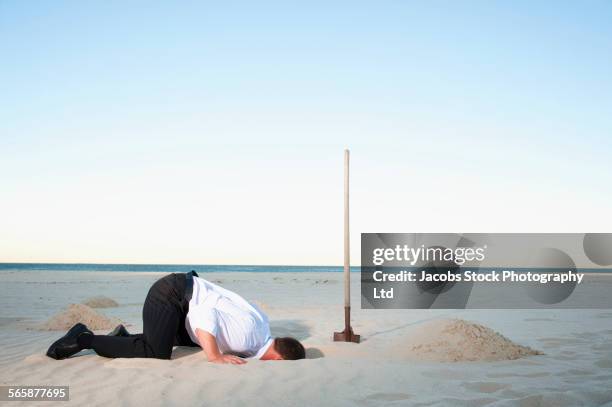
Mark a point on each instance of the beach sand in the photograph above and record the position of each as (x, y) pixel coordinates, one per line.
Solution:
(387, 368)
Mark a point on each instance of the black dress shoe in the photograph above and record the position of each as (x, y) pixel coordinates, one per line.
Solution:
(119, 331)
(68, 345)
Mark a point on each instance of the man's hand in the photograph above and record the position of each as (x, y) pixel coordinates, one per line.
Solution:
(234, 360)
(209, 345)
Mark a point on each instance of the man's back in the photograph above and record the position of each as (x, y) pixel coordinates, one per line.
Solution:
(237, 325)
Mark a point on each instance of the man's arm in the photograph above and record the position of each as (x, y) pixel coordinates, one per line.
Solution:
(210, 347)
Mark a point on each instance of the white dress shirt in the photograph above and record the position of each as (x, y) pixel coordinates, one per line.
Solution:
(237, 325)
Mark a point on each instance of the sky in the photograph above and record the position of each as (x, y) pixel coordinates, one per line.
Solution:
(213, 132)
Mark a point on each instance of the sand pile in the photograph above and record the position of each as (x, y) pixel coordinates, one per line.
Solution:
(65, 319)
(100, 302)
(456, 340)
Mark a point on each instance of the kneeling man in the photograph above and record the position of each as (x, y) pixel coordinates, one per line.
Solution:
(184, 309)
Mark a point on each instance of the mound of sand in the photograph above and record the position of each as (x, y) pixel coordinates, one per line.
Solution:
(456, 340)
(65, 319)
(100, 302)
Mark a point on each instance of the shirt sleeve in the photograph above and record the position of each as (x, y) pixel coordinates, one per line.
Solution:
(204, 318)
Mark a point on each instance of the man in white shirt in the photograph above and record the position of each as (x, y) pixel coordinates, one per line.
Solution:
(183, 309)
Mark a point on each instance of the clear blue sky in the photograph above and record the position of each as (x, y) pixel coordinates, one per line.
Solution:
(212, 132)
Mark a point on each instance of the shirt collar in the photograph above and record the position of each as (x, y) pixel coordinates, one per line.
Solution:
(263, 349)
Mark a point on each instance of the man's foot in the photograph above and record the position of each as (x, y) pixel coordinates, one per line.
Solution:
(119, 331)
(68, 345)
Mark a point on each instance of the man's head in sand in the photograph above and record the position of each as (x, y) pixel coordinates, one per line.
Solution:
(285, 349)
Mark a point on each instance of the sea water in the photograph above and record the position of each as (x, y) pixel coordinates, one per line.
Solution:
(166, 268)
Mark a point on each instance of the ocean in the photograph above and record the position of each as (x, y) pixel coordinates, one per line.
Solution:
(166, 268)
(183, 268)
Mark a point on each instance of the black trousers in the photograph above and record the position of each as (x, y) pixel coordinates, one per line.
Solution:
(163, 317)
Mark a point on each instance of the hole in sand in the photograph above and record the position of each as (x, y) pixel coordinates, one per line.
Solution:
(314, 353)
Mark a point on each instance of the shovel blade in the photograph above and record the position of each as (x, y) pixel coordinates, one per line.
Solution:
(346, 337)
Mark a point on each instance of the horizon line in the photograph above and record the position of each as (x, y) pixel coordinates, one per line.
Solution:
(176, 264)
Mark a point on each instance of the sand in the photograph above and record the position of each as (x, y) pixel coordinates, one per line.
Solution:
(74, 313)
(101, 301)
(456, 340)
(574, 369)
